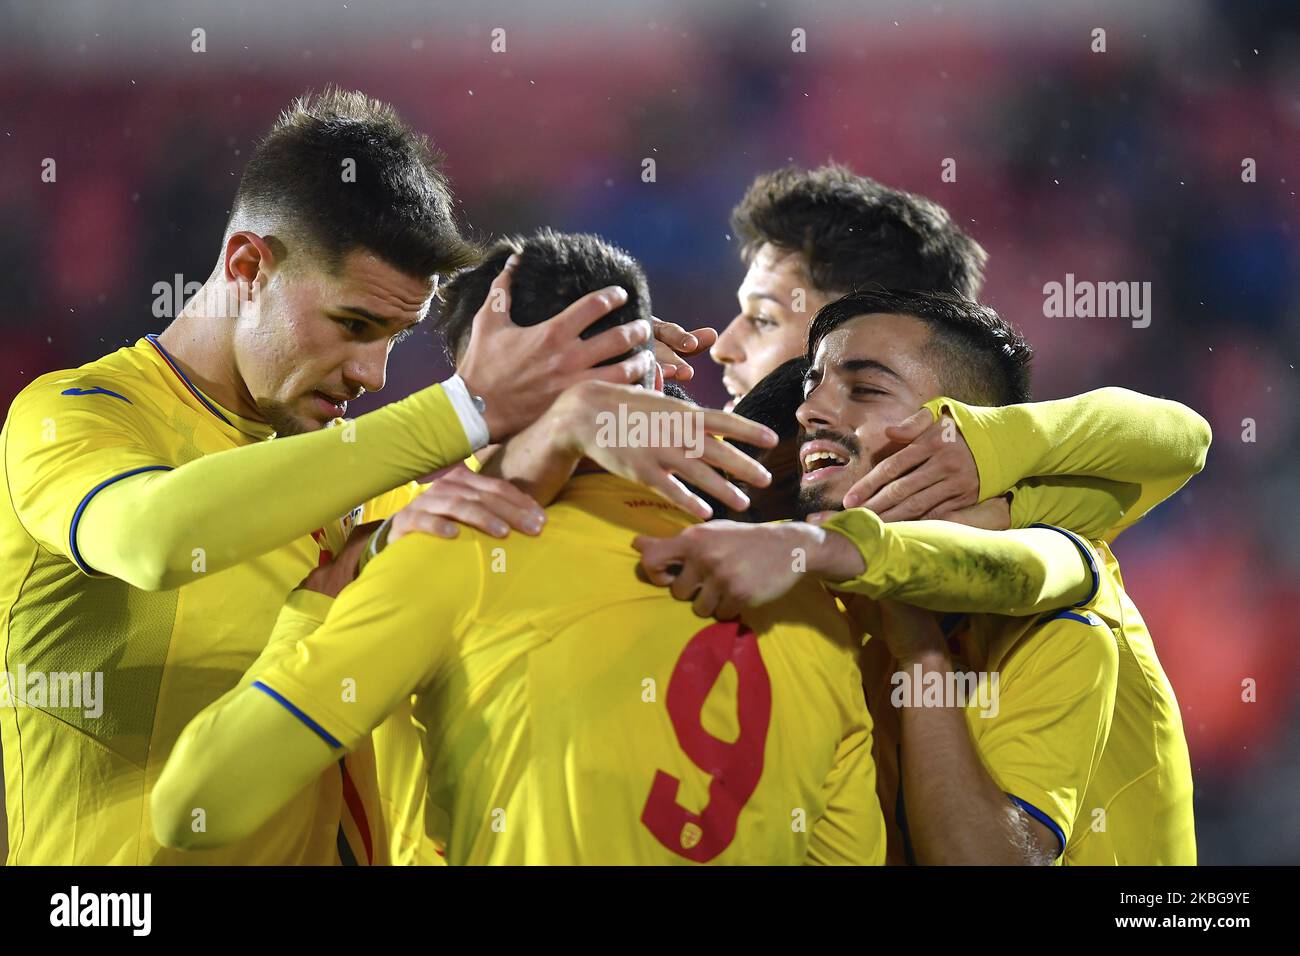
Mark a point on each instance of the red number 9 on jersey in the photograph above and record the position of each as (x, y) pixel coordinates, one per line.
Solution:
(734, 767)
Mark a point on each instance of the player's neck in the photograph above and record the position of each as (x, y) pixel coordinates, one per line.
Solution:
(203, 347)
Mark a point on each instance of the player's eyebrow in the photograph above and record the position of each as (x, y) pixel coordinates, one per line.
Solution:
(767, 296)
(849, 366)
(365, 314)
(812, 378)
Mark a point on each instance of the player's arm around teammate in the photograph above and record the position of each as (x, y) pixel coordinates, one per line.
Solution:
(140, 524)
(952, 455)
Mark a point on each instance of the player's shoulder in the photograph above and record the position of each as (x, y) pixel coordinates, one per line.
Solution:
(809, 611)
(1073, 644)
(115, 381)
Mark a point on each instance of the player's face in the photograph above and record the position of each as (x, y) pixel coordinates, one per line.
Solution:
(868, 374)
(777, 302)
(317, 341)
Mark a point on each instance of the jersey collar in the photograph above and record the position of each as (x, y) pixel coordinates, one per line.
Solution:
(246, 426)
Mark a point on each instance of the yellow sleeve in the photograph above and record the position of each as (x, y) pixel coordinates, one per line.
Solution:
(1055, 700)
(1089, 506)
(386, 635)
(851, 832)
(320, 687)
(144, 529)
(61, 447)
(943, 566)
(1110, 433)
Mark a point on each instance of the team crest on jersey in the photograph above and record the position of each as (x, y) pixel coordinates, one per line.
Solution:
(691, 835)
(352, 519)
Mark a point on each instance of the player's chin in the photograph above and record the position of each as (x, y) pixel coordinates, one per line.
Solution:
(818, 497)
(301, 421)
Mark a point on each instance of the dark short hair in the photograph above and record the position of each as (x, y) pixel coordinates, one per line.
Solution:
(673, 390)
(979, 357)
(851, 231)
(398, 205)
(554, 270)
(774, 401)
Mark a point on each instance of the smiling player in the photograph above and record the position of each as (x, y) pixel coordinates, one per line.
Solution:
(1088, 728)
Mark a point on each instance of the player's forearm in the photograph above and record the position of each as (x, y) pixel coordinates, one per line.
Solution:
(162, 529)
(1109, 433)
(944, 566)
(956, 815)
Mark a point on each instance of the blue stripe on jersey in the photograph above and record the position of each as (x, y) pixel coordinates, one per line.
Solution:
(1042, 818)
(153, 340)
(76, 516)
(97, 390)
(1072, 616)
(1087, 556)
(346, 856)
(288, 705)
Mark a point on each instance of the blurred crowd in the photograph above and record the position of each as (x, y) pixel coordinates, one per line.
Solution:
(1126, 165)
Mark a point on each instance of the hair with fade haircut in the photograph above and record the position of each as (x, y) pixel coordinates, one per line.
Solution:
(852, 231)
(555, 269)
(398, 206)
(979, 357)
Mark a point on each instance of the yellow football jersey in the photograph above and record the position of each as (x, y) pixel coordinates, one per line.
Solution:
(1138, 809)
(402, 774)
(576, 714)
(77, 777)
(1072, 716)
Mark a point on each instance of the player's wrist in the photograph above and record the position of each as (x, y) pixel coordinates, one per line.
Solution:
(832, 556)
(474, 409)
(567, 422)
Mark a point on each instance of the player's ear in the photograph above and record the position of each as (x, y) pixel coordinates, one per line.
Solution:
(247, 256)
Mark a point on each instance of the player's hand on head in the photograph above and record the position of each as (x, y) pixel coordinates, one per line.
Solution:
(724, 567)
(339, 572)
(519, 370)
(673, 345)
(460, 496)
(932, 474)
(588, 420)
